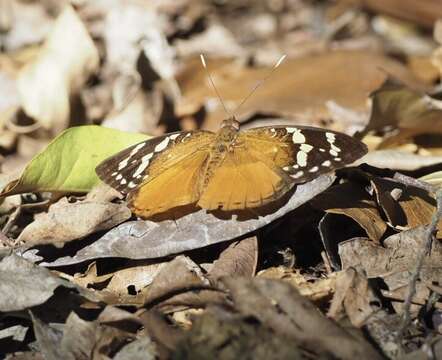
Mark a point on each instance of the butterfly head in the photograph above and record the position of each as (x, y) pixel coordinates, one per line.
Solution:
(230, 122)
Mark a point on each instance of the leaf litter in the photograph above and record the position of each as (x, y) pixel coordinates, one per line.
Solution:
(345, 266)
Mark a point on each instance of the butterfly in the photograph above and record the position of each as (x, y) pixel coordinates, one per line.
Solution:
(227, 170)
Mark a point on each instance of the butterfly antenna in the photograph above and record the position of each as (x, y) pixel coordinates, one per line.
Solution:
(203, 61)
(281, 59)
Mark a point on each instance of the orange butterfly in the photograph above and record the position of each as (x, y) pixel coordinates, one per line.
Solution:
(227, 170)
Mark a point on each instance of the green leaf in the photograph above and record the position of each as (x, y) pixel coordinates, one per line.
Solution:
(68, 162)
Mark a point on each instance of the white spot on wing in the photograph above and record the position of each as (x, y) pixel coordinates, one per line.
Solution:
(141, 168)
(123, 182)
(162, 145)
(306, 148)
(335, 148)
(301, 158)
(298, 137)
(146, 157)
(131, 185)
(115, 173)
(333, 152)
(291, 129)
(174, 136)
(321, 150)
(314, 169)
(123, 163)
(136, 149)
(119, 177)
(330, 136)
(298, 174)
(326, 163)
(286, 168)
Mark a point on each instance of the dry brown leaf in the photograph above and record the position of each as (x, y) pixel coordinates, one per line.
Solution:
(401, 36)
(181, 284)
(413, 207)
(300, 88)
(402, 112)
(354, 298)
(65, 62)
(424, 12)
(31, 284)
(315, 290)
(277, 305)
(352, 201)
(123, 286)
(436, 58)
(396, 259)
(423, 68)
(67, 221)
(240, 258)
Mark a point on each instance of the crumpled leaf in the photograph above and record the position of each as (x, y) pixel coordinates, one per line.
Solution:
(66, 61)
(66, 221)
(48, 338)
(140, 349)
(403, 112)
(424, 13)
(68, 163)
(404, 207)
(124, 286)
(24, 284)
(80, 339)
(318, 290)
(240, 258)
(148, 239)
(277, 305)
(354, 298)
(396, 259)
(351, 200)
(173, 286)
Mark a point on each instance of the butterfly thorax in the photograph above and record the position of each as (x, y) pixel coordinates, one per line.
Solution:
(225, 142)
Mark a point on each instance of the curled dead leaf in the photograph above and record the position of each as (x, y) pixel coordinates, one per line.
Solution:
(65, 62)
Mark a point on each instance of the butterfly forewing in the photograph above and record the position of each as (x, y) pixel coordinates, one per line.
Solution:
(177, 185)
(143, 162)
(301, 152)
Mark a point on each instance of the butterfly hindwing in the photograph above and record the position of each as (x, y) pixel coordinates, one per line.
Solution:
(302, 152)
(146, 160)
(242, 181)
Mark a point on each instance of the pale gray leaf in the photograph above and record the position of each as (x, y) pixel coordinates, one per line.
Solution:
(148, 239)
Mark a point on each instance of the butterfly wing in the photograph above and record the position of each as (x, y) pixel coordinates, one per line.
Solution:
(159, 173)
(302, 152)
(266, 162)
(177, 185)
(243, 181)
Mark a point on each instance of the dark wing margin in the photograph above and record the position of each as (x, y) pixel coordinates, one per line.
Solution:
(303, 152)
(128, 169)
